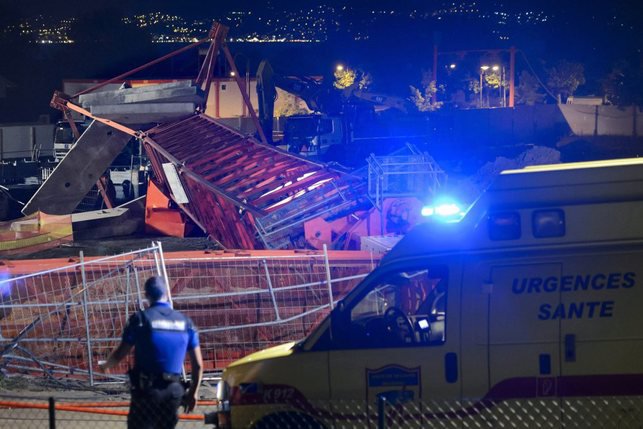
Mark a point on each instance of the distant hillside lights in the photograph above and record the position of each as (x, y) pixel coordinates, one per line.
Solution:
(303, 25)
(42, 32)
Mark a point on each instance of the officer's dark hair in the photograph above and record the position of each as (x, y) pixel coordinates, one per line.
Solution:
(155, 288)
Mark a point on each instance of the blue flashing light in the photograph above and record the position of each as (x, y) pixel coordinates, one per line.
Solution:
(428, 211)
(445, 211)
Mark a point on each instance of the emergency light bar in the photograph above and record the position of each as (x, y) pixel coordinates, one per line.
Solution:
(445, 211)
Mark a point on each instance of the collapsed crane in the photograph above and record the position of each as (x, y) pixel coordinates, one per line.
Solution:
(240, 190)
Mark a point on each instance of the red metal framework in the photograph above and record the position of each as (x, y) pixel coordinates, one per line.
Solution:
(216, 37)
(243, 193)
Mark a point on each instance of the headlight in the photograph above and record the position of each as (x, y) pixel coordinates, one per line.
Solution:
(220, 417)
(223, 391)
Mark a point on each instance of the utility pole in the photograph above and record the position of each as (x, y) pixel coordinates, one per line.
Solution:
(512, 72)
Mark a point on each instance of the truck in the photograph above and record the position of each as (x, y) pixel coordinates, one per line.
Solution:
(523, 312)
(313, 135)
(64, 137)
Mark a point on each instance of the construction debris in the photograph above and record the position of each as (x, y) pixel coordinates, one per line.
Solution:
(79, 170)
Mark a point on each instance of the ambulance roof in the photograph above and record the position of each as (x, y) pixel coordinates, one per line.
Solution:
(565, 184)
(546, 186)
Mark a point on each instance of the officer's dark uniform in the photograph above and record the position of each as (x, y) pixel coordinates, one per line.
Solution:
(161, 337)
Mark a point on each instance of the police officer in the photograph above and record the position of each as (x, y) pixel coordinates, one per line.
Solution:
(160, 337)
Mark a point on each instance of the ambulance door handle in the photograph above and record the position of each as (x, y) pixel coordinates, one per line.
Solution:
(451, 367)
(570, 348)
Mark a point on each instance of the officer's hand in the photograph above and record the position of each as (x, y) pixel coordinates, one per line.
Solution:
(189, 403)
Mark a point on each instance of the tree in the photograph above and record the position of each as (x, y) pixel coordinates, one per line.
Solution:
(564, 78)
(423, 97)
(493, 79)
(527, 91)
(344, 77)
(347, 78)
(623, 86)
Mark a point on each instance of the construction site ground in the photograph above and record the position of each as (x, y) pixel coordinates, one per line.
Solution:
(23, 401)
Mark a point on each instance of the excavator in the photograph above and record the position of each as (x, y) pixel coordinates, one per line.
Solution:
(339, 118)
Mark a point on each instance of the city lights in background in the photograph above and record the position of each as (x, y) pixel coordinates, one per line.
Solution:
(300, 24)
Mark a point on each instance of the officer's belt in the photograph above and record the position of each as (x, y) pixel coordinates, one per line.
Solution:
(165, 376)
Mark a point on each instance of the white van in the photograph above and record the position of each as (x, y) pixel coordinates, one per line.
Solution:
(526, 313)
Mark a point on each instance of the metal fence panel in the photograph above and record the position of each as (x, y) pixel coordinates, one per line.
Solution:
(60, 322)
(242, 304)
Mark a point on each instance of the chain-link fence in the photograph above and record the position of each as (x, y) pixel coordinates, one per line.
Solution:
(554, 413)
(111, 409)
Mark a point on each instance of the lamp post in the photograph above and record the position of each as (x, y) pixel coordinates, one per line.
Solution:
(483, 69)
(247, 86)
(504, 87)
(496, 68)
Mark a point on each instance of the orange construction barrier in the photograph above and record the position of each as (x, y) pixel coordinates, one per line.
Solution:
(160, 218)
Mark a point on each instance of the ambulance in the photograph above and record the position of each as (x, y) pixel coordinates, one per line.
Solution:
(527, 312)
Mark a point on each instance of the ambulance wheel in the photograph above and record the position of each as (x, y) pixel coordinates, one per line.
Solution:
(288, 420)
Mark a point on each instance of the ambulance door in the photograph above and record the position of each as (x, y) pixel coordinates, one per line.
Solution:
(523, 345)
(401, 343)
(601, 317)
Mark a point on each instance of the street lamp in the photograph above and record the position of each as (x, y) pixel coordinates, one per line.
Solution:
(504, 87)
(483, 69)
(247, 86)
(496, 68)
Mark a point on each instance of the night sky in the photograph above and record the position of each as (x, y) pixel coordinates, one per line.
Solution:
(595, 33)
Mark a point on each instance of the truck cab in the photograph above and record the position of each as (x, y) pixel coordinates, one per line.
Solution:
(64, 137)
(313, 135)
(533, 297)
